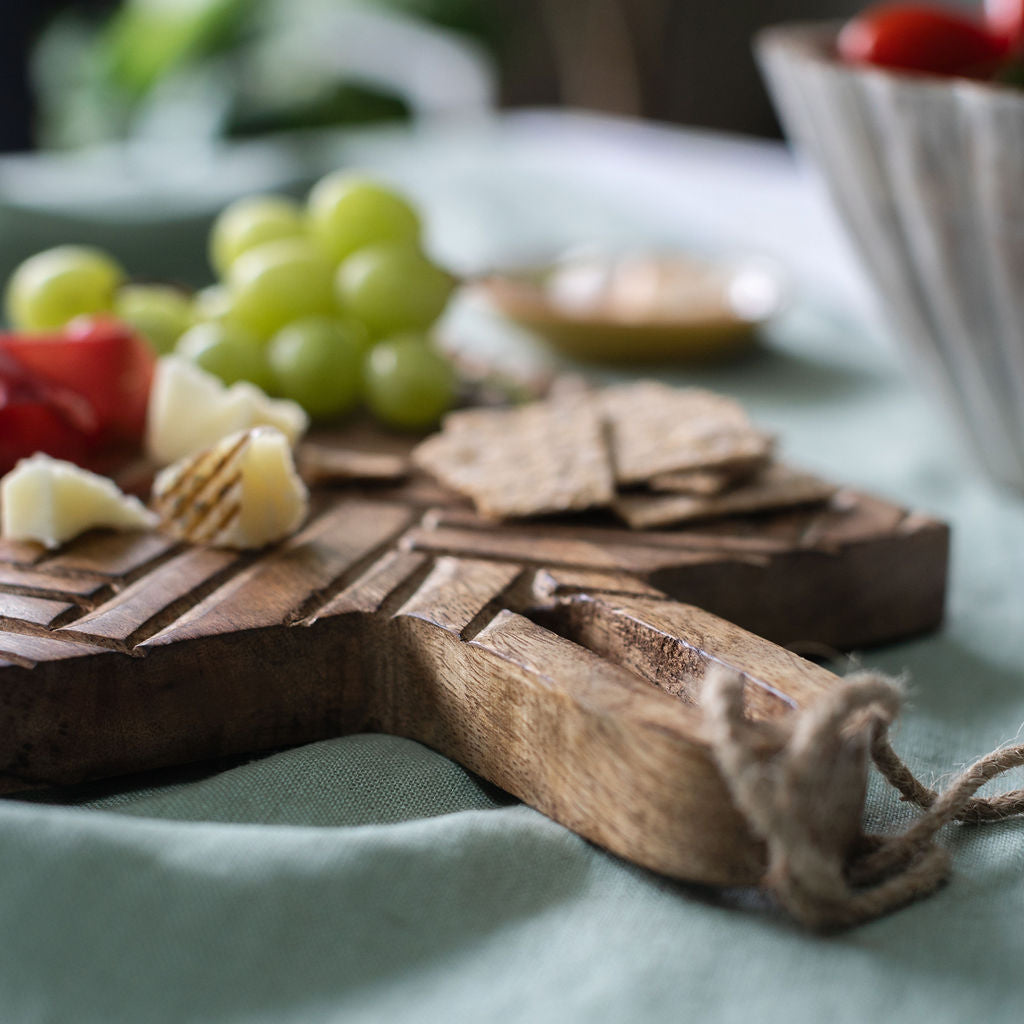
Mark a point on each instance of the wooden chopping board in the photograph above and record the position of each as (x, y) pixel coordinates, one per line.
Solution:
(556, 659)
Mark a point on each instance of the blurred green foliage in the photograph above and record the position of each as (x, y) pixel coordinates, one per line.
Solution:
(209, 67)
(476, 18)
(146, 40)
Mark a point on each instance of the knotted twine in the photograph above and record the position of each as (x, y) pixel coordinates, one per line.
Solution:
(797, 780)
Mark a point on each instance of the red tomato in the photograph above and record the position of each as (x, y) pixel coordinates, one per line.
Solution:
(39, 417)
(917, 37)
(100, 359)
(1005, 20)
(30, 427)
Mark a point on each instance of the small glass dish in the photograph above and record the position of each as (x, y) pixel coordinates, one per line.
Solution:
(640, 307)
(927, 173)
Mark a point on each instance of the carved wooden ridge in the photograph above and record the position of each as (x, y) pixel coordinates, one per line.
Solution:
(554, 659)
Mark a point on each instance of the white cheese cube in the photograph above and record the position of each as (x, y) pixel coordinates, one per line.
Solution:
(243, 492)
(50, 501)
(190, 410)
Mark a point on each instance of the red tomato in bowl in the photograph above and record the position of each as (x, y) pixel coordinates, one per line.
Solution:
(916, 37)
(1005, 20)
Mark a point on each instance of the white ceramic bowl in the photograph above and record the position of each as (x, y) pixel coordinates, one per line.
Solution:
(928, 175)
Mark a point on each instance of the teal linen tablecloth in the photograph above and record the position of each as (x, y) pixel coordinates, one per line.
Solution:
(369, 879)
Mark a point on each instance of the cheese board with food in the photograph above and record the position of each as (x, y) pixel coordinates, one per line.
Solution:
(539, 591)
(128, 651)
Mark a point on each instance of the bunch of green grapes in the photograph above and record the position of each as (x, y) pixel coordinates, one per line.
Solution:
(327, 303)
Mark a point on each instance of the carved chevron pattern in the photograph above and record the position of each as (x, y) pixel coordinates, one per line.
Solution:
(118, 591)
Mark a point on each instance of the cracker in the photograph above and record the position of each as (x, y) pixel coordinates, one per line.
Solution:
(776, 487)
(533, 460)
(657, 429)
(707, 482)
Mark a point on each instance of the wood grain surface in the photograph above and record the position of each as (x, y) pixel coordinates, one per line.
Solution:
(560, 659)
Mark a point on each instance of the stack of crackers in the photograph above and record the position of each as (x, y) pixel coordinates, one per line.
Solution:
(653, 454)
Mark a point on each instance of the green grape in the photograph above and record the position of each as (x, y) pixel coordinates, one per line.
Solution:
(228, 352)
(347, 212)
(252, 221)
(160, 313)
(279, 282)
(214, 302)
(392, 287)
(317, 362)
(56, 285)
(407, 383)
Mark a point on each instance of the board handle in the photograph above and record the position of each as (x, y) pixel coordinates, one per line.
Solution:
(583, 707)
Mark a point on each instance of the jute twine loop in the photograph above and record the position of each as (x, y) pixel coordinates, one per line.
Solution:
(800, 785)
